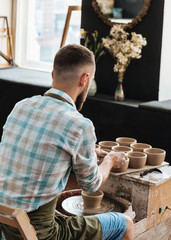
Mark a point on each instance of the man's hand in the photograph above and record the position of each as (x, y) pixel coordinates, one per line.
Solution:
(117, 158)
(111, 160)
(100, 153)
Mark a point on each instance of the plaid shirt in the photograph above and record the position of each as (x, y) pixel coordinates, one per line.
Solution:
(43, 138)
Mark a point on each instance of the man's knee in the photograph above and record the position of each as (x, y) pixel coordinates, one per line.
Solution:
(129, 229)
(129, 222)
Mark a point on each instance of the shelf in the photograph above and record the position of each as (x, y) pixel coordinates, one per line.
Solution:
(110, 99)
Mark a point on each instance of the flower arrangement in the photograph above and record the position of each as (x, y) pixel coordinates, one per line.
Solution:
(122, 48)
(91, 42)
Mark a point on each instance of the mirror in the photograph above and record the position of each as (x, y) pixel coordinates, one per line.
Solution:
(127, 12)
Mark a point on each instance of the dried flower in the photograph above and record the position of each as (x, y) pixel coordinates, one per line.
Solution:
(122, 48)
(91, 42)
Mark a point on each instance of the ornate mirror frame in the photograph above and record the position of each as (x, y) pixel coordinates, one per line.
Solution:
(134, 22)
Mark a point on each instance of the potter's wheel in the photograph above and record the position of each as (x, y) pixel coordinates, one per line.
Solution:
(74, 205)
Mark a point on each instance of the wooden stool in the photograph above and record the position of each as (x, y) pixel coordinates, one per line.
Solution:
(19, 220)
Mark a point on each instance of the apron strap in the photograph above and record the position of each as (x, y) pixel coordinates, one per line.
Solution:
(57, 97)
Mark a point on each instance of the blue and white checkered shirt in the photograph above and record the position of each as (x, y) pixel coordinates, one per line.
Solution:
(43, 138)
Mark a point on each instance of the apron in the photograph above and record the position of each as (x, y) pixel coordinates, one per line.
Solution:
(51, 227)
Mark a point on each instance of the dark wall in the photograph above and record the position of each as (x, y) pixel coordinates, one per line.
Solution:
(141, 79)
(11, 93)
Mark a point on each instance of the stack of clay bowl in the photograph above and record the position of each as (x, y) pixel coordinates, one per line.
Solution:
(124, 146)
(138, 154)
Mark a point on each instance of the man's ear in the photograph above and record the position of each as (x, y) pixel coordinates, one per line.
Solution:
(52, 74)
(84, 78)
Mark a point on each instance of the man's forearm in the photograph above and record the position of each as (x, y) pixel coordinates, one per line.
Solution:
(105, 168)
(111, 160)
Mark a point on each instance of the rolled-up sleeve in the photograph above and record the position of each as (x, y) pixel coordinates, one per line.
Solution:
(84, 161)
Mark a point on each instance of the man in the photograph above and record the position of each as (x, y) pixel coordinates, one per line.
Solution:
(43, 138)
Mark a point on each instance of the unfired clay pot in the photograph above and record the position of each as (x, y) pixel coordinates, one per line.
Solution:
(137, 159)
(92, 200)
(139, 147)
(155, 156)
(125, 141)
(122, 149)
(108, 144)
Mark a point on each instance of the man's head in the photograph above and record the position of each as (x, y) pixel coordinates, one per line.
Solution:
(73, 71)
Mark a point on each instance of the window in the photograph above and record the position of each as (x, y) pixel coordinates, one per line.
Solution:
(40, 26)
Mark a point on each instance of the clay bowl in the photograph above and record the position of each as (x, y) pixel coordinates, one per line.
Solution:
(123, 168)
(92, 200)
(124, 149)
(137, 159)
(125, 141)
(108, 144)
(139, 147)
(155, 156)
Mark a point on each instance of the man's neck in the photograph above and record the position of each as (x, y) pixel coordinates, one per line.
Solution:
(72, 92)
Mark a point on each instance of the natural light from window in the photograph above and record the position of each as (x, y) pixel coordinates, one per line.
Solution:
(45, 24)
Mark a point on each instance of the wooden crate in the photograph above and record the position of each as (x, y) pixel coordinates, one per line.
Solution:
(150, 197)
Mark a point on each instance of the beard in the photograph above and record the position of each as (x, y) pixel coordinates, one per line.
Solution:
(81, 98)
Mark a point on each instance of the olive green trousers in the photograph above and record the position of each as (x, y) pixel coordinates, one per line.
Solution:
(51, 227)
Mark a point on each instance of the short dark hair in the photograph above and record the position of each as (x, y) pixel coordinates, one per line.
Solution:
(72, 55)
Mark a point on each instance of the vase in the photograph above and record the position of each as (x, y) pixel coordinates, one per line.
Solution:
(93, 88)
(119, 93)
